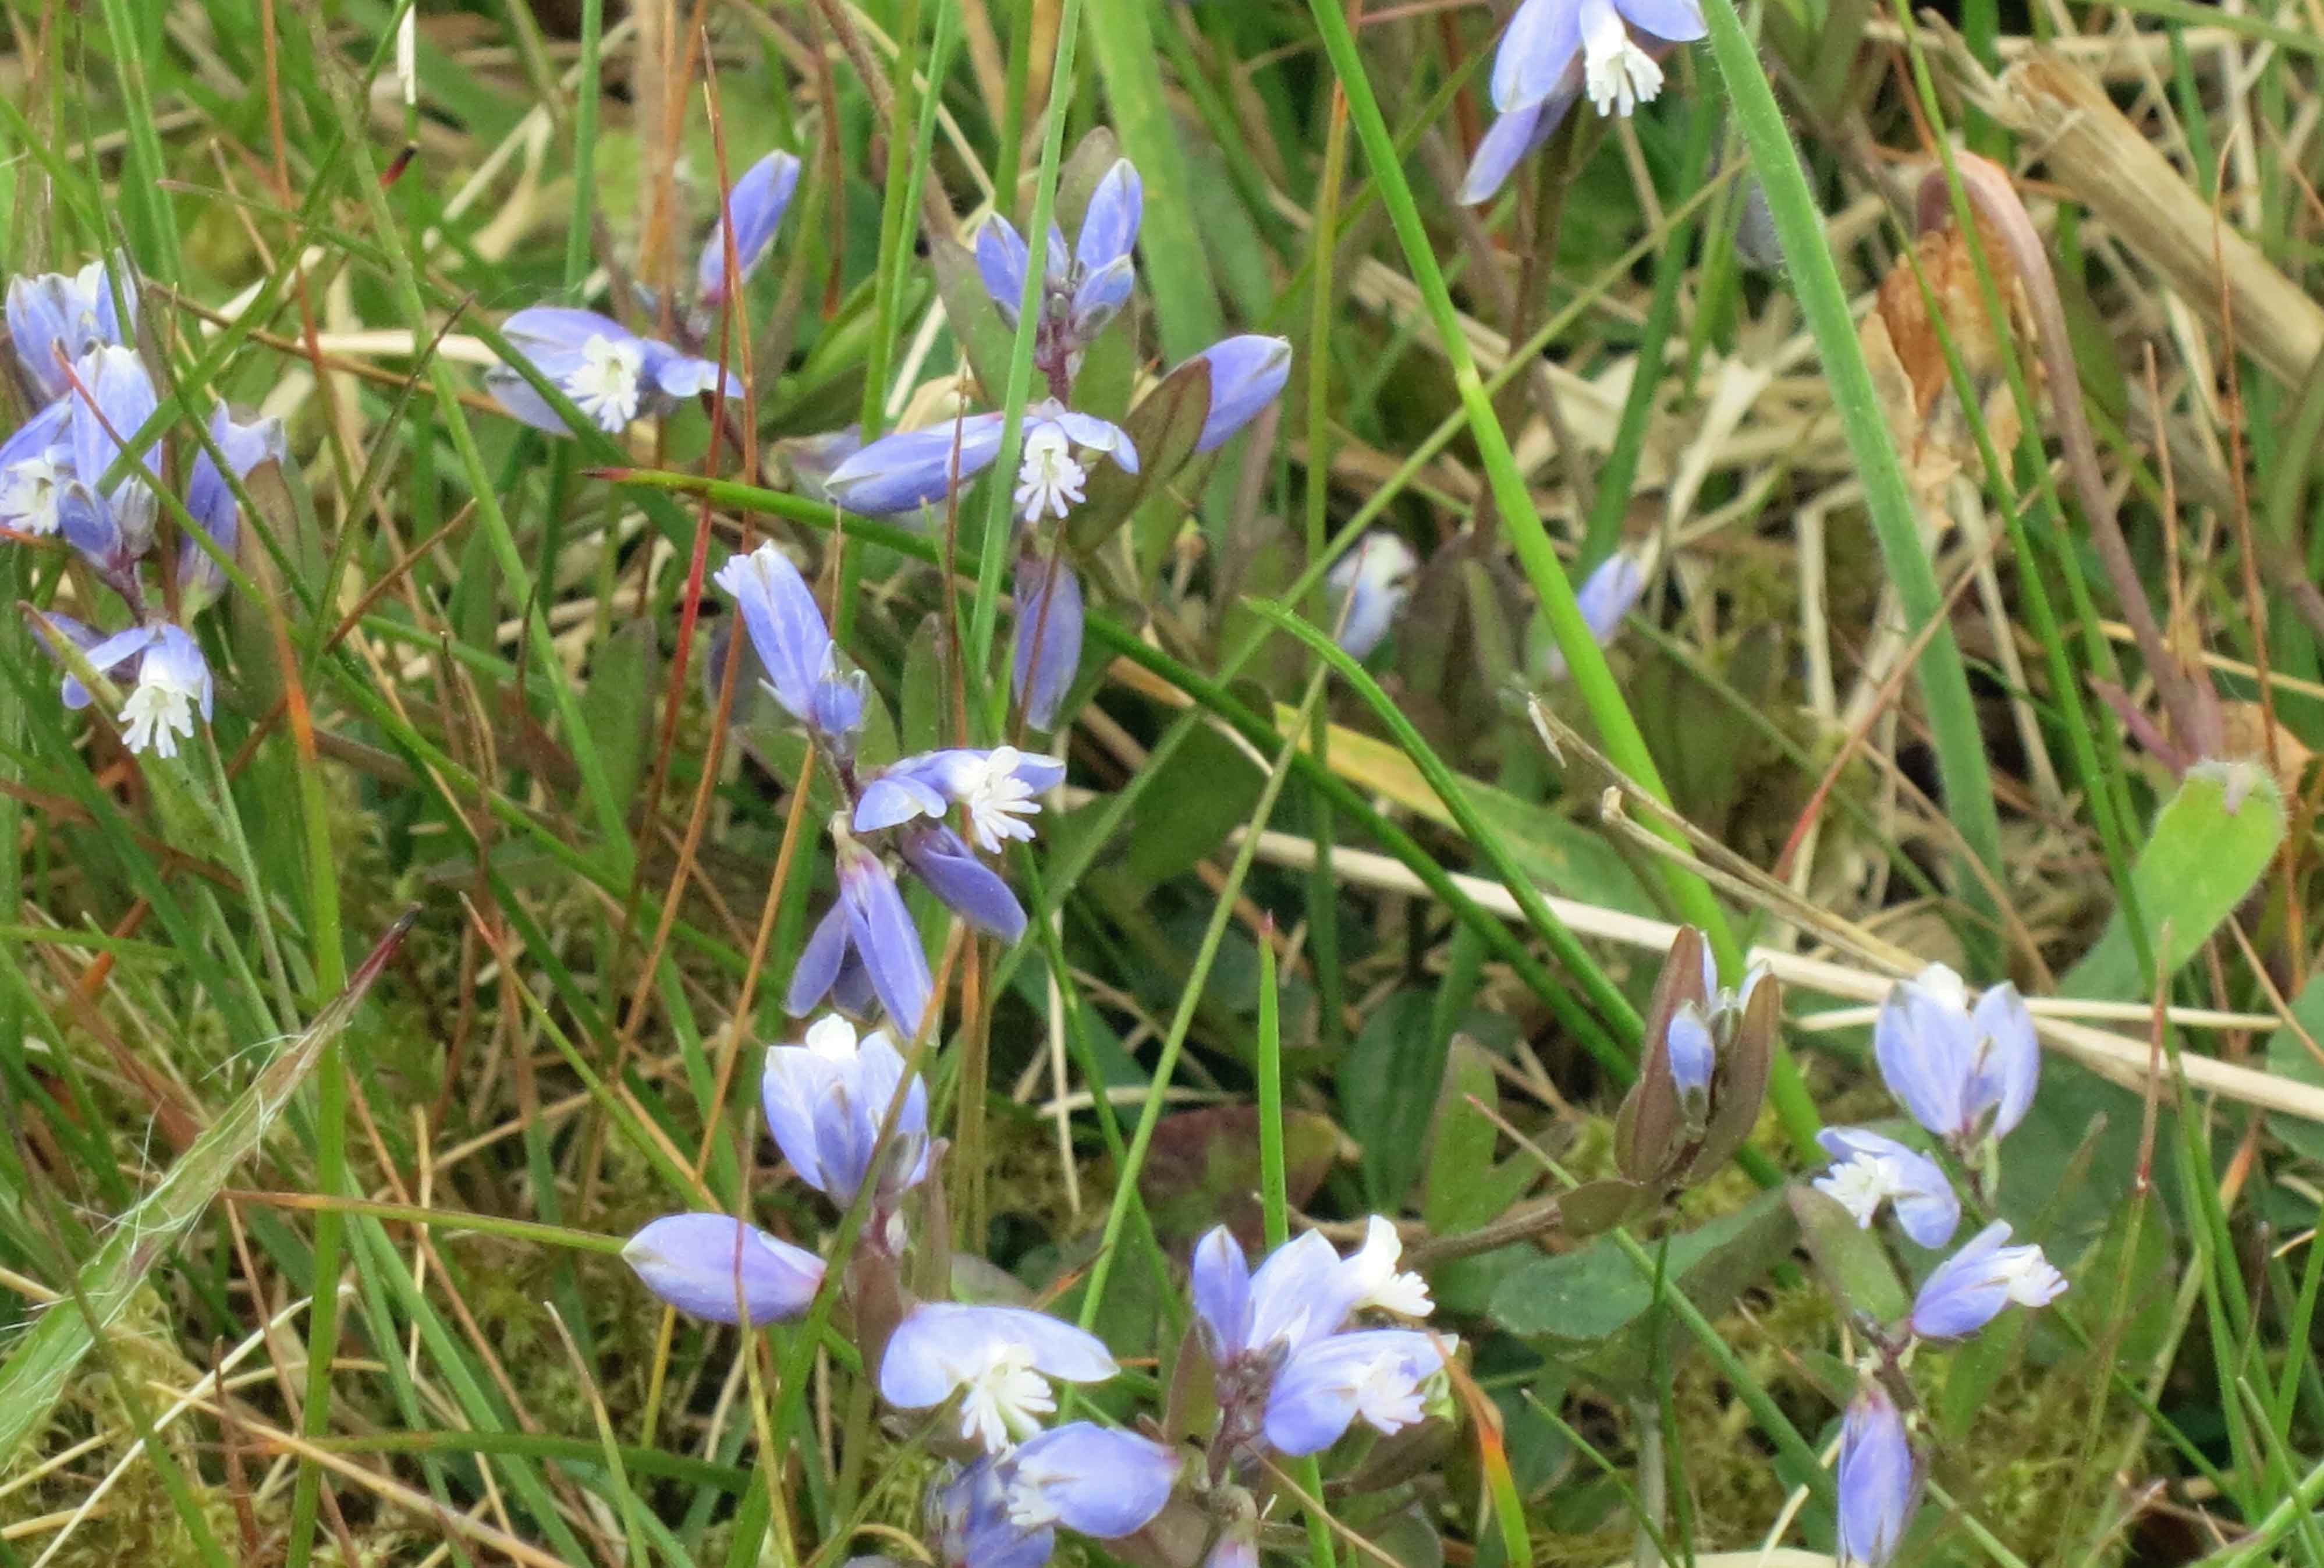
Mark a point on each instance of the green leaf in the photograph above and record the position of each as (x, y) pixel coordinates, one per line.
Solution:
(1376, 1103)
(1855, 1266)
(1164, 427)
(1593, 1304)
(1203, 793)
(2210, 843)
(36, 1371)
(975, 322)
(2289, 1057)
(618, 703)
(1465, 1189)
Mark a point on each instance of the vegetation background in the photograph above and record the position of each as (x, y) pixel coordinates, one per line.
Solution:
(282, 1279)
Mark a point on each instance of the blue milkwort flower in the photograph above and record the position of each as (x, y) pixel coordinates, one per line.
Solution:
(110, 400)
(55, 319)
(1247, 373)
(1368, 588)
(708, 1265)
(170, 680)
(865, 945)
(1098, 1480)
(1869, 1169)
(1080, 290)
(1694, 1054)
(998, 788)
(1606, 597)
(825, 1099)
(803, 665)
(915, 468)
(1966, 1073)
(945, 865)
(210, 503)
(1556, 51)
(1877, 1479)
(756, 204)
(35, 465)
(1968, 1289)
(968, 1516)
(1050, 621)
(1289, 1370)
(611, 374)
(999, 1360)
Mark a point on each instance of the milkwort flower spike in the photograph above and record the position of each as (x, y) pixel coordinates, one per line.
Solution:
(1081, 289)
(1709, 1053)
(1556, 51)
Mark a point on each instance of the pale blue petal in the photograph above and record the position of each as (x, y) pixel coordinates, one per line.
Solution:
(703, 1264)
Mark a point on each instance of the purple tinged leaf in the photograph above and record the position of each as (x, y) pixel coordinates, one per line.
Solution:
(706, 1264)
